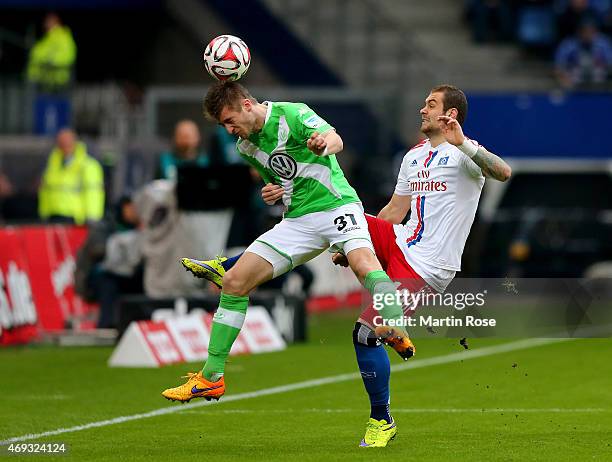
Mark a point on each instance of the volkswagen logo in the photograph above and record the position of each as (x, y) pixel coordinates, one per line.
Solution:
(283, 165)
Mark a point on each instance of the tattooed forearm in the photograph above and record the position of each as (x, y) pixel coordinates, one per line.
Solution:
(491, 165)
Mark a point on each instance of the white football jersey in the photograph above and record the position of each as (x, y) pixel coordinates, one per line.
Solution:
(445, 186)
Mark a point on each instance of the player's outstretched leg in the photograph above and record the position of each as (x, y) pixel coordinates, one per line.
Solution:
(375, 371)
(212, 270)
(226, 325)
(389, 314)
(250, 271)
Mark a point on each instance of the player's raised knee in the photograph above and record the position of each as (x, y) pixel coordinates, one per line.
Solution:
(234, 283)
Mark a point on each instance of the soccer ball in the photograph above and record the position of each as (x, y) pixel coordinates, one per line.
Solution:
(227, 58)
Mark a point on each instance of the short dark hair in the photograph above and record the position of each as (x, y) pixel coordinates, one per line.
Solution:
(224, 94)
(453, 98)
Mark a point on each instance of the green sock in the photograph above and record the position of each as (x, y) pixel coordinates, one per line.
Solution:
(226, 326)
(378, 284)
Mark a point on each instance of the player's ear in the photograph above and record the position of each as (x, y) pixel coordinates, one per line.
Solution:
(452, 112)
(247, 104)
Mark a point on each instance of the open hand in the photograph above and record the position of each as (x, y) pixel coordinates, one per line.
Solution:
(451, 129)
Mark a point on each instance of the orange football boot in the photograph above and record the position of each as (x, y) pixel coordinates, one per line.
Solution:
(396, 339)
(196, 387)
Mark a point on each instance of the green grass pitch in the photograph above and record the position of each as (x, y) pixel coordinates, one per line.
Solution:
(547, 402)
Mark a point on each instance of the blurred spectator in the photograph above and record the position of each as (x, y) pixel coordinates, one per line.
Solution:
(6, 187)
(584, 59)
(109, 264)
(17, 203)
(186, 150)
(50, 69)
(491, 20)
(72, 187)
(536, 25)
(573, 15)
(6, 190)
(603, 9)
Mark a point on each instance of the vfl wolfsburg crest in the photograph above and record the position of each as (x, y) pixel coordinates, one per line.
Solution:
(283, 165)
(283, 135)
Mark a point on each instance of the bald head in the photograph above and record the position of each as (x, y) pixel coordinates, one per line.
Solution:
(186, 139)
(66, 140)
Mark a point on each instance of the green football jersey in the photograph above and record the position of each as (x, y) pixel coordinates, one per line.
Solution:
(312, 183)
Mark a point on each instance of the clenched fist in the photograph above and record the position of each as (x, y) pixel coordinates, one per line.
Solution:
(316, 143)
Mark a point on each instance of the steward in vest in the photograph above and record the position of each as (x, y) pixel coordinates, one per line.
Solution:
(72, 187)
(52, 57)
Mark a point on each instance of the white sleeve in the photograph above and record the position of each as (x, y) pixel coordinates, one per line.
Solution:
(402, 188)
(468, 165)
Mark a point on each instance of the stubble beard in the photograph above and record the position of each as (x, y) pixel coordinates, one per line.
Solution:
(429, 130)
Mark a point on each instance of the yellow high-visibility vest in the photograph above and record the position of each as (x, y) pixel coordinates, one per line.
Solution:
(51, 58)
(74, 189)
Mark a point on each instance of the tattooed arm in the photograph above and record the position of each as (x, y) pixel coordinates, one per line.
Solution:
(492, 166)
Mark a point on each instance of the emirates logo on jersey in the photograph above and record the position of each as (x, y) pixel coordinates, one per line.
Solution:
(283, 165)
(428, 186)
(425, 184)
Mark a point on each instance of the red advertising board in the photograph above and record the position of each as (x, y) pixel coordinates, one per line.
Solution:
(184, 338)
(18, 315)
(36, 276)
(161, 342)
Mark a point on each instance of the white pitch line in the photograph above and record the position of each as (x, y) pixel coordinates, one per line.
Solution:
(451, 410)
(413, 364)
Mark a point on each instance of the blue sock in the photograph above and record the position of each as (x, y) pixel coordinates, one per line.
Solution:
(231, 261)
(375, 371)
